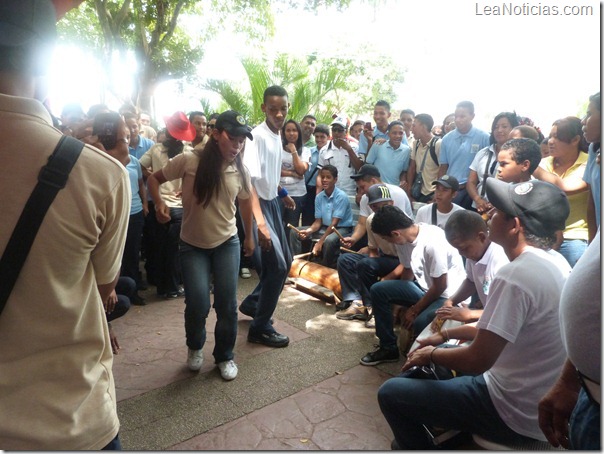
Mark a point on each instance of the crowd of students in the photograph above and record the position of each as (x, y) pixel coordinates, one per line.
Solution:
(407, 202)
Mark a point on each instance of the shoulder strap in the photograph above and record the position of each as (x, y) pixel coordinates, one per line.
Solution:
(52, 178)
(434, 221)
(433, 150)
(421, 168)
(486, 175)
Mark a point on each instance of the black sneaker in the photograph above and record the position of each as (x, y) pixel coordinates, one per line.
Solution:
(380, 355)
(274, 340)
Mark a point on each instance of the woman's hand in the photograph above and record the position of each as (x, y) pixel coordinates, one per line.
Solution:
(291, 148)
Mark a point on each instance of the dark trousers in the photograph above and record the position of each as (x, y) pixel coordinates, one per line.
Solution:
(308, 208)
(244, 262)
(132, 249)
(272, 267)
(163, 265)
(125, 290)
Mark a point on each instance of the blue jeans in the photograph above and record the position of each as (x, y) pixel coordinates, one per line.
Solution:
(358, 273)
(572, 250)
(114, 445)
(461, 403)
(403, 293)
(198, 265)
(585, 424)
(272, 267)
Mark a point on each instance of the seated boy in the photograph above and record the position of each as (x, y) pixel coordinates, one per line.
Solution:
(332, 210)
(438, 212)
(467, 232)
(517, 352)
(432, 271)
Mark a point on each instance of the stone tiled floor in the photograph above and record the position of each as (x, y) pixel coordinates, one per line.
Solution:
(339, 412)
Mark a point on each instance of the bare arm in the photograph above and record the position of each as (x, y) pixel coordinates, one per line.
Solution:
(474, 359)
(247, 216)
(106, 289)
(439, 285)
(570, 187)
(482, 206)
(442, 170)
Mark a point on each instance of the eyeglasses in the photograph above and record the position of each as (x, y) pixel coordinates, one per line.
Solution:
(211, 126)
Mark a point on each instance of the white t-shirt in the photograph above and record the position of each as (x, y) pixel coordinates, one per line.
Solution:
(522, 307)
(295, 187)
(262, 157)
(339, 158)
(483, 272)
(430, 256)
(424, 214)
(581, 312)
(399, 197)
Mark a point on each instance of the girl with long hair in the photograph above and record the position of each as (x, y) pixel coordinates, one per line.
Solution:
(212, 179)
(294, 163)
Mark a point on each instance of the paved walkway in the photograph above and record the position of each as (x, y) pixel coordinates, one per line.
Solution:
(311, 395)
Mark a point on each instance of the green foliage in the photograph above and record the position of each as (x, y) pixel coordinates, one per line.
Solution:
(321, 87)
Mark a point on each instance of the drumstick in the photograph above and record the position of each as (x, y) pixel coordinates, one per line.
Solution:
(337, 233)
(298, 231)
(343, 249)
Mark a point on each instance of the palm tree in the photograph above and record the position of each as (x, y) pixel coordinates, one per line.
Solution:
(312, 88)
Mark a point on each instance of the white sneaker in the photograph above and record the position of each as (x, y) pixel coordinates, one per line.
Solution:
(228, 369)
(245, 273)
(195, 359)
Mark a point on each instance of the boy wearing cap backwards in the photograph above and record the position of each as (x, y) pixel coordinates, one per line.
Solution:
(57, 390)
(438, 212)
(517, 353)
(431, 271)
(341, 154)
(358, 272)
(332, 210)
(272, 256)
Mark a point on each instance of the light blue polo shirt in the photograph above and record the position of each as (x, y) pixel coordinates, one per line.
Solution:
(390, 162)
(335, 206)
(135, 173)
(143, 145)
(458, 151)
(310, 176)
(592, 178)
(377, 134)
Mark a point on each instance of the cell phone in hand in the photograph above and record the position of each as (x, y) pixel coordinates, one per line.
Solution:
(368, 125)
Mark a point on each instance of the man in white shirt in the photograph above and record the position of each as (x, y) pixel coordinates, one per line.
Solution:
(342, 154)
(431, 270)
(517, 353)
(272, 256)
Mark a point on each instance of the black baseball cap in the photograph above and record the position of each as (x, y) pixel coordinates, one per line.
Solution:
(366, 170)
(233, 123)
(541, 207)
(378, 193)
(448, 182)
